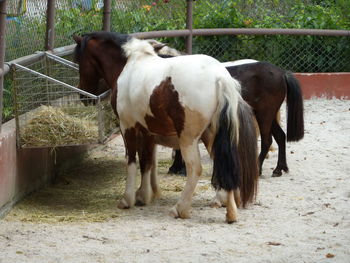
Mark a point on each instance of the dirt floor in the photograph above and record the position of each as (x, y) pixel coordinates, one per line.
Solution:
(303, 216)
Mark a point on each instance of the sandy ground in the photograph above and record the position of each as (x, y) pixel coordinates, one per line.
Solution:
(303, 216)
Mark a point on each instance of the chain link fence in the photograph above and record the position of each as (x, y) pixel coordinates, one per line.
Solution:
(26, 27)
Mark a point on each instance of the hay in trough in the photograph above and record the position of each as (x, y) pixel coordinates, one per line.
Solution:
(51, 126)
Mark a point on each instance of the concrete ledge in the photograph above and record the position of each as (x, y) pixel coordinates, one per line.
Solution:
(328, 85)
(25, 170)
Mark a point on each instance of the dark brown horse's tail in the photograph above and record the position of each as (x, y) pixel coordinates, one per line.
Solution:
(295, 109)
(247, 154)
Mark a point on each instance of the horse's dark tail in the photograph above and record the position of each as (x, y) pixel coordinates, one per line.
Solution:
(248, 154)
(295, 109)
(234, 149)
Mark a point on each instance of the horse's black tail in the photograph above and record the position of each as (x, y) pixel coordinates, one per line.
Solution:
(226, 167)
(295, 109)
(235, 163)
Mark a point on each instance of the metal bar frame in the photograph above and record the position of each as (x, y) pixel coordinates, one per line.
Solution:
(85, 93)
(62, 61)
(2, 54)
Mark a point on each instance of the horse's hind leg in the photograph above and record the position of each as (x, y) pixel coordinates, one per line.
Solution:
(265, 134)
(280, 138)
(231, 208)
(191, 156)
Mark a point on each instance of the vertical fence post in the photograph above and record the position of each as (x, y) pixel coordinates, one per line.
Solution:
(50, 25)
(189, 22)
(2, 53)
(106, 15)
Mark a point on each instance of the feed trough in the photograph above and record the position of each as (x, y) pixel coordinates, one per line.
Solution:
(51, 111)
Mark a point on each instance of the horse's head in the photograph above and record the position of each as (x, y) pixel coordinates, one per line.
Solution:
(100, 59)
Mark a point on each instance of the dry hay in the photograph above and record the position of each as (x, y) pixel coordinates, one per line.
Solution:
(51, 126)
(56, 126)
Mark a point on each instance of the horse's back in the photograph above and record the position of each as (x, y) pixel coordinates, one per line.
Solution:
(260, 81)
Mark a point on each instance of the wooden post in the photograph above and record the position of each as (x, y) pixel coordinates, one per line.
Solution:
(106, 15)
(50, 25)
(189, 22)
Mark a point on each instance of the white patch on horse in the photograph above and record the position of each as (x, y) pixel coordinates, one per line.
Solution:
(238, 62)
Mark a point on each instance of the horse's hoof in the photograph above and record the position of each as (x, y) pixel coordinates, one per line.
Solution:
(174, 212)
(277, 174)
(230, 219)
(143, 199)
(123, 204)
(139, 203)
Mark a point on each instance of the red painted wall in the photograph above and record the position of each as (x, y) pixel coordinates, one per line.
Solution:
(326, 85)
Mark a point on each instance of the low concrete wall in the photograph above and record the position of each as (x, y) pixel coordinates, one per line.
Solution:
(328, 85)
(25, 170)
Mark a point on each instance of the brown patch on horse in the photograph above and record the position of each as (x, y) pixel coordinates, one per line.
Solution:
(168, 114)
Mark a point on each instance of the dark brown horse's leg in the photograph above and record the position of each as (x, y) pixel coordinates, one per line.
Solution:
(280, 138)
(178, 166)
(266, 138)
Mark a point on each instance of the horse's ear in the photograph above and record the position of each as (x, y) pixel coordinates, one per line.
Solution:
(77, 39)
(158, 46)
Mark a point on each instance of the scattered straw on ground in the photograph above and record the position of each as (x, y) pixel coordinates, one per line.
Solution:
(90, 193)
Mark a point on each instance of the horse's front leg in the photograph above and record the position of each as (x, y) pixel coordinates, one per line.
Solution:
(144, 194)
(130, 141)
(191, 157)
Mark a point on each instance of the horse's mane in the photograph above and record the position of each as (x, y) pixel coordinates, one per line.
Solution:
(116, 38)
(138, 47)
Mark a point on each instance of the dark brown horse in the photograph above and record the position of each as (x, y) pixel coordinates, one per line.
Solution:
(162, 101)
(264, 87)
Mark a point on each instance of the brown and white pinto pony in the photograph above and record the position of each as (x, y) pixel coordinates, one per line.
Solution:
(174, 102)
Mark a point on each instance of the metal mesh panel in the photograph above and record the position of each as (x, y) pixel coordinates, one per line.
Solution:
(76, 17)
(146, 15)
(49, 113)
(295, 53)
(25, 32)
